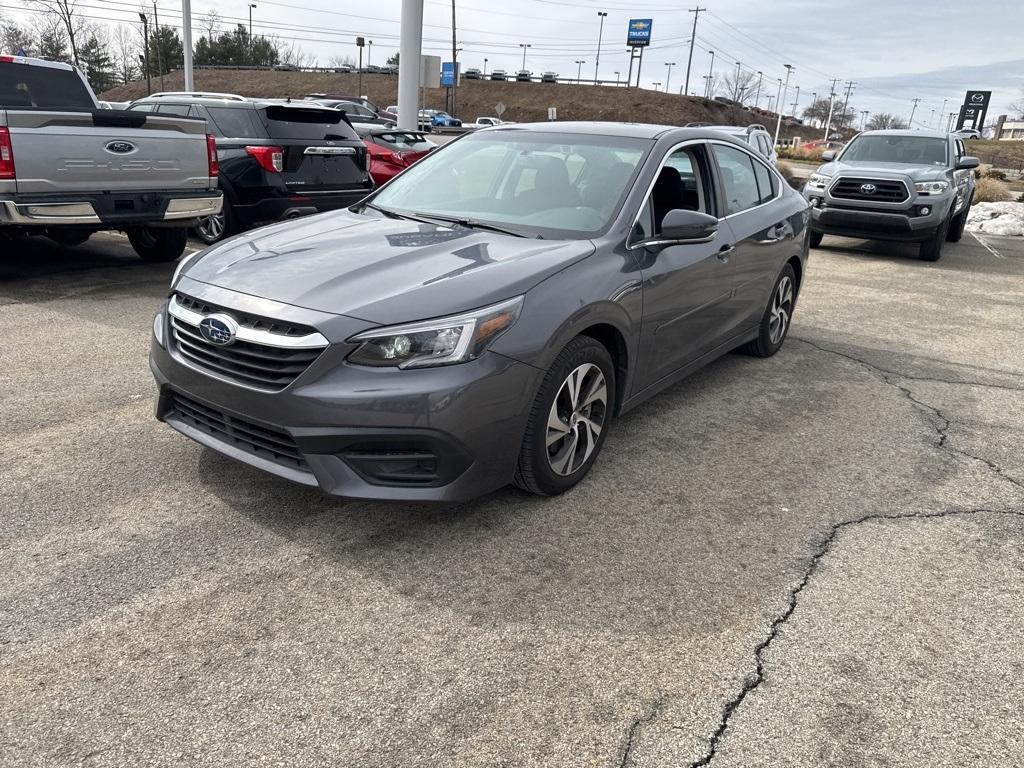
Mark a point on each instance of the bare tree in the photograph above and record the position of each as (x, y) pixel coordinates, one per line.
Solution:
(1017, 107)
(341, 61)
(739, 88)
(125, 53)
(67, 13)
(14, 38)
(211, 24)
(882, 121)
(292, 55)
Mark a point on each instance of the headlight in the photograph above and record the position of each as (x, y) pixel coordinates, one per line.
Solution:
(435, 342)
(931, 187)
(158, 327)
(182, 263)
(818, 181)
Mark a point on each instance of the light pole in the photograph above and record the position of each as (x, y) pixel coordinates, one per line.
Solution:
(600, 34)
(707, 84)
(736, 83)
(711, 75)
(579, 69)
(369, 53)
(910, 122)
(780, 103)
(757, 96)
(485, 67)
(251, 6)
(864, 119)
(814, 101)
(657, 86)
(668, 77)
(943, 110)
(524, 46)
(796, 100)
(156, 38)
(145, 48)
(616, 78)
(770, 100)
(931, 118)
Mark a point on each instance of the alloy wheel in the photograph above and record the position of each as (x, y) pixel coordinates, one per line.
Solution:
(211, 228)
(781, 311)
(576, 419)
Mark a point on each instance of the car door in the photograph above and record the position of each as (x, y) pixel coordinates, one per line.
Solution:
(686, 287)
(760, 232)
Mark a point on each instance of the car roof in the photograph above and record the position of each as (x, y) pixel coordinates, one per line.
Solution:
(628, 130)
(907, 132)
(33, 61)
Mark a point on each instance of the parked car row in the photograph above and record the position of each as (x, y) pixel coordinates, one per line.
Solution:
(522, 76)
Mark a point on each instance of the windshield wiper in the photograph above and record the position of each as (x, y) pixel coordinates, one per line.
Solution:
(396, 215)
(475, 224)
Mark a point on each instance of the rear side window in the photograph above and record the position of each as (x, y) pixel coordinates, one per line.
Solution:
(308, 124)
(236, 123)
(738, 179)
(29, 85)
(767, 186)
(174, 109)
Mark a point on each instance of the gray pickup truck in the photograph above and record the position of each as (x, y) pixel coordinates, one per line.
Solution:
(912, 186)
(69, 168)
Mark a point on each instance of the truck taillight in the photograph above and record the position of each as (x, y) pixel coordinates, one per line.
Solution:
(6, 155)
(270, 158)
(211, 155)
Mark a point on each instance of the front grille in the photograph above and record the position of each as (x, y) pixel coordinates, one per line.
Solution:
(260, 365)
(886, 190)
(245, 319)
(272, 444)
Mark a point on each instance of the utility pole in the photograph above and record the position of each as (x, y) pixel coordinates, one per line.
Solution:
(831, 105)
(910, 122)
(145, 49)
(693, 39)
(757, 96)
(455, 66)
(846, 104)
(711, 74)
(156, 37)
(524, 46)
(668, 77)
(780, 103)
(600, 34)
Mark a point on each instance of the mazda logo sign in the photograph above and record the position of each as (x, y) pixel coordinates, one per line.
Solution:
(868, 189)
(218, 329)
(120, 147)
(977, 98)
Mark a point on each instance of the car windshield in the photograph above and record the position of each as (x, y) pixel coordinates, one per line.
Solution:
(551, 184)
(905, 150)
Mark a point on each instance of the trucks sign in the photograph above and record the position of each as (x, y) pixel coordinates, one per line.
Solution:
(638, 33)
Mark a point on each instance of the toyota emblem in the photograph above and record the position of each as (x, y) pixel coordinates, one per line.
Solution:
(868, 189)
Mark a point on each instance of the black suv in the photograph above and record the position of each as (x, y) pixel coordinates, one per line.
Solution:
(278, 159)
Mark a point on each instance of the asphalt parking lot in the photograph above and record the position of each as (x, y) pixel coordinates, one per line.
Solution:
(815, 559)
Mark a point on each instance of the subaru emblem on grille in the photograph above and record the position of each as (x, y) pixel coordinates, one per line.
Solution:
(120, 147)
(218, 329)
(868, 189)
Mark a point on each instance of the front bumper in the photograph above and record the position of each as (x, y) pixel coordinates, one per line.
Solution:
(903, 224)
(111, 210)
(434, 434)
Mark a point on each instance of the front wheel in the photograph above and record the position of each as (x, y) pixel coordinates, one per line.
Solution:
(931, 249)
(956, 229)
(815, 238)
(569, 419)
(776, 318)
(211, 229)
(157, 245)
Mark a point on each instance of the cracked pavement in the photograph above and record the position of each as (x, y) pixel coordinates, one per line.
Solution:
(812, 560)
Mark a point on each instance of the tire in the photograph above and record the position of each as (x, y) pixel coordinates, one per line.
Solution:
(553, 459)
(212, 229)
(156, 245)
(815, 239)
(956, 228)
(68, 237)
(931, 249)
(777, 317)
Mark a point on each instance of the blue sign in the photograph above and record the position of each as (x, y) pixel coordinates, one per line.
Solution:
(639, 33)
(449, 71)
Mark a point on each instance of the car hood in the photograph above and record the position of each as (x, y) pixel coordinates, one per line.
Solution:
(884, 170)
(382, 270)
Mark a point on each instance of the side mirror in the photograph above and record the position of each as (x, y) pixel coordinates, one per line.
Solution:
(966, 162)
(681, 224)
(828, 157)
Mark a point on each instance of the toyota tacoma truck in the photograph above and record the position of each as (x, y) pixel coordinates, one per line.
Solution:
(911, 186)
(69, 168)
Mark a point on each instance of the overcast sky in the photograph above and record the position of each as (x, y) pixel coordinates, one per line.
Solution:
(896, 50)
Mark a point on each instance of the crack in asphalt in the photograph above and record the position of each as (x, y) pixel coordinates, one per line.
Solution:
(650, 714)
(941, 423)
(755, 679)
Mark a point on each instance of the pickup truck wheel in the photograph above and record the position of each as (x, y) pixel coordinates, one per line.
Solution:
(931, 249)
(68, 237)
(158, 245)
(816, 238)
(956, 229)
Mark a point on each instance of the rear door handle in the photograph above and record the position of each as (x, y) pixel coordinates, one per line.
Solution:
(724, 252)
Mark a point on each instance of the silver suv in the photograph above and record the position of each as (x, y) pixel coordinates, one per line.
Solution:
(911, 186)
(755, 134)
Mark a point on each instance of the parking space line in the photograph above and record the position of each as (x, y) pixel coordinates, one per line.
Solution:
(987, 247)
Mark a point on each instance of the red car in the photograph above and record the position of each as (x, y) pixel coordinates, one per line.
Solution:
(391, 150)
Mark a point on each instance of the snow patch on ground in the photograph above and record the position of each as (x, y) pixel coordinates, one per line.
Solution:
(1001, 219)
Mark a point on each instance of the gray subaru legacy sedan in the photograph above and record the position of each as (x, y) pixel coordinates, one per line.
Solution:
(482, 318)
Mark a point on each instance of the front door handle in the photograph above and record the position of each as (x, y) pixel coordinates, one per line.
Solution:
(724, 252)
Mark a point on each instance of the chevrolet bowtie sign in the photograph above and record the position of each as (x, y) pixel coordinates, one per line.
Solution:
(639, 33)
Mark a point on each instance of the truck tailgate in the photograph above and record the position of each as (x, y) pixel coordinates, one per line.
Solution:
(113, 151)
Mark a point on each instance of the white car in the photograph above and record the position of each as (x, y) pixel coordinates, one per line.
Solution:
(485, 122)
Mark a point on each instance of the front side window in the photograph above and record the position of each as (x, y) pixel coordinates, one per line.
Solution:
(739, 184)
(553, 184)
